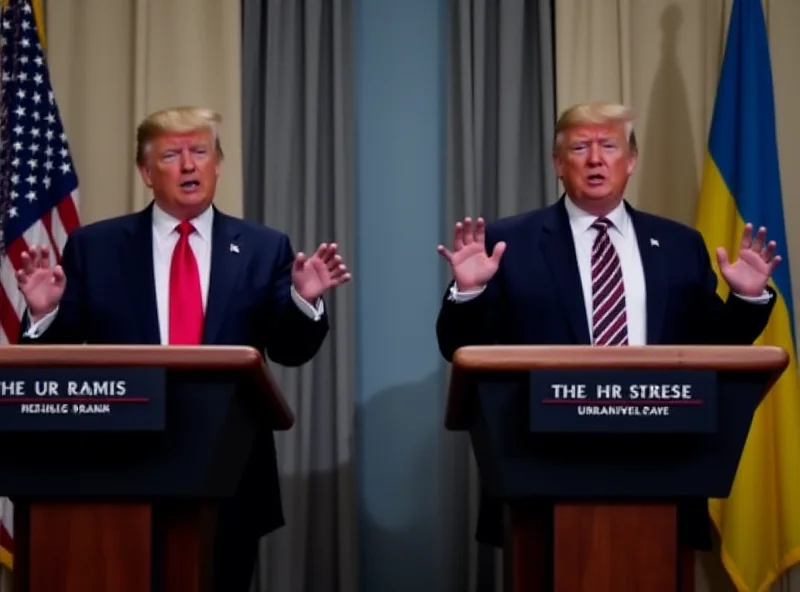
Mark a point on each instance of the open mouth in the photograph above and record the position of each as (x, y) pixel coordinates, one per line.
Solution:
(190, 185)
(596, 179)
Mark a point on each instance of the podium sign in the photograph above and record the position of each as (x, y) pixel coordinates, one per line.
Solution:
(623, 401)
(84, 399)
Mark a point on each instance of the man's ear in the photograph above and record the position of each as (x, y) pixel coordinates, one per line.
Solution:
(633, 160)
(144, 172)
(558, 165)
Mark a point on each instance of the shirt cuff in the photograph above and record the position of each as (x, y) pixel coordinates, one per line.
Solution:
(313, 312)
(36, 329)
(764, 298)
(456, 296)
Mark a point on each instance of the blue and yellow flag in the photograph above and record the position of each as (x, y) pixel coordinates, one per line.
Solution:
(759, 523)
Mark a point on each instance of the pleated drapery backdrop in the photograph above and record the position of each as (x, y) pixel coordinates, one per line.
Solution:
(299, 176)
(500, 122)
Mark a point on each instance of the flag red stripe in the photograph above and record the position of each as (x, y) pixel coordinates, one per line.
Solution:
(15, 251)
(8, 318)
(68, 213)
(47, 222)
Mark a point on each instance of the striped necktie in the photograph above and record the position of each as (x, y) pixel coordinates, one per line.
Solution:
(609, 320)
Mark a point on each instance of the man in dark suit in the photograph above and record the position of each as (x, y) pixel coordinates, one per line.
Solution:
(593, 270)
(182, 272)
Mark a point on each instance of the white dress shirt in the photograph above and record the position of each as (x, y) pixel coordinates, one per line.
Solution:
(165, 238)
(623, 237)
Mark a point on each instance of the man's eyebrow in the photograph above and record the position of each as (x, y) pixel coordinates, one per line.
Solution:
(173, 147)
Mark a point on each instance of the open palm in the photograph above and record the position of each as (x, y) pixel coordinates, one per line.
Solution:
(472, 266)
(312, 276)
(749, 275)
(41, 285)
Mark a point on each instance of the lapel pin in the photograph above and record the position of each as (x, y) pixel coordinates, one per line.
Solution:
(234, 248)
(654, 242)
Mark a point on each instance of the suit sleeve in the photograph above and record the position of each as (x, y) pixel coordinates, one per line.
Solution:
(70, 323)
(292, 338)
(733, 321)
(474, 322)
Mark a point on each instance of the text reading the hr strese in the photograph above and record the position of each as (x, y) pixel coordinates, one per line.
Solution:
(614, 399)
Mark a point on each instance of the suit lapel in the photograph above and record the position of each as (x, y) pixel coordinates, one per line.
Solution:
(558, 249)
(136, 266)
(653, 264)
(227, 257)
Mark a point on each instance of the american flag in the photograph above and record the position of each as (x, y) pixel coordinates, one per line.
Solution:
(38, 183)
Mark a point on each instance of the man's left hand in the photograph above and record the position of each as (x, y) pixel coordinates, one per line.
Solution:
(749, 275)
(312, 276)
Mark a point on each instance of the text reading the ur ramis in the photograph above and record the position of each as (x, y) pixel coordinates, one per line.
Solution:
(72, 398)
(50, 397)
(69, 388)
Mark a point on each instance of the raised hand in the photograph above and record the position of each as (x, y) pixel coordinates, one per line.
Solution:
(472, 267)
(40, 284)
(311, 276)
(749, 275)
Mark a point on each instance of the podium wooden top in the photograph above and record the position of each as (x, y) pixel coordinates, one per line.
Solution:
(508, 358)
(242, 359)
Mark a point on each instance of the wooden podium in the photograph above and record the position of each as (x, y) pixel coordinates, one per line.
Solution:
(115, 458)
(594, 450)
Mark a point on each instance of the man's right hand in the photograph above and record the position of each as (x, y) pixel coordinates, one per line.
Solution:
(40, 284)
(472, 267)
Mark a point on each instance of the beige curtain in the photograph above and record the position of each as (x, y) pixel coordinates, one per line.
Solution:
(113, 61)
(662, 58)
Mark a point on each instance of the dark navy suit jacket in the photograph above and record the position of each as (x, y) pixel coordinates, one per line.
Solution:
(110, 298)
(536, 298)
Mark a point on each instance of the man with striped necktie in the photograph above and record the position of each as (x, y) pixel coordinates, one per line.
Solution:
(593, 270)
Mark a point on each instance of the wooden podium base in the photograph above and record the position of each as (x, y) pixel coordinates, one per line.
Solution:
(594, 548)
(112, 547)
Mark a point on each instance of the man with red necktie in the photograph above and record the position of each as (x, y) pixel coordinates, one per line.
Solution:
(592, 270)
(181, 272)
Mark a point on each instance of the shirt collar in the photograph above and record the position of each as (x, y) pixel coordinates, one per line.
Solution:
(164, 223)
(581, 221)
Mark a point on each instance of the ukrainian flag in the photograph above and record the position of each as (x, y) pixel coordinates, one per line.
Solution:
(759, 523)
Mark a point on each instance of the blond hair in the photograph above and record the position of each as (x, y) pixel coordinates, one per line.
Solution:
(176, 120)
(595, 114)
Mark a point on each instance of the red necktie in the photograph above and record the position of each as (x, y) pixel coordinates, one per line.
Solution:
(185, 300)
